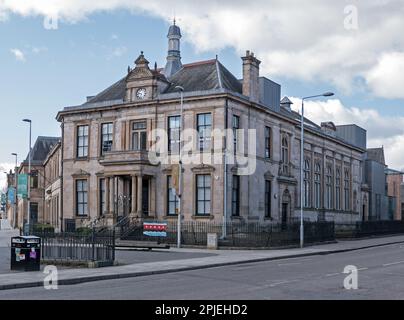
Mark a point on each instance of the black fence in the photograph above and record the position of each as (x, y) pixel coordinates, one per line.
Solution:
(248, 235)
(78, 246)
(362, 229)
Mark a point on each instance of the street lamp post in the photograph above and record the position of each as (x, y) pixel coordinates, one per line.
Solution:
(16, 190)
(327, 94)
(29, 172)
(181, 89)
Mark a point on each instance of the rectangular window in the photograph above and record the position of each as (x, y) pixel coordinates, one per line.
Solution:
(139, 136)
(338, 189)
(106, 137)
(82, 141)
(317, 186)
(102, 197)
(204, 127)
(236, 126)
(203, 191)
(329, 182)
(81, 198)
(235, 204)
(268, 198)
(173, 202)
(307, 183)
(347, 190)
(174, 134)
(34, 179)
(267, 142)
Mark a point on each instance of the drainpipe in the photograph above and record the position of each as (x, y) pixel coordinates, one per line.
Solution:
(61, 175)
(226, 113)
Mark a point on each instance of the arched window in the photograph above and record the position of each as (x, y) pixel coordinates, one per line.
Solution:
(347, 190)
(328, 192)
(317, 186)
(307, 183)
(285, 155)
(338, 189)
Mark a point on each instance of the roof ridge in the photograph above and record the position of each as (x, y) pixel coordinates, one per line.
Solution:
(219, 74)
(198, 63)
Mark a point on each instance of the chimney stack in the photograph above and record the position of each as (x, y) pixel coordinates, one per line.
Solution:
(251, 73)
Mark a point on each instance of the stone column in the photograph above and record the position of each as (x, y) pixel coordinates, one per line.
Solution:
(153, 196)
(112, 195)
(134, 195)
(140, 196)
(107, 196)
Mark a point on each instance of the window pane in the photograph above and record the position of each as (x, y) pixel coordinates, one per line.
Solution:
(143, 142)
(135, 139)
(171, 209)
(201, 207)
(201, 193)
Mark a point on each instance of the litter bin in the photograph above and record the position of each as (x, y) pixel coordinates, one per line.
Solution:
(26, 253)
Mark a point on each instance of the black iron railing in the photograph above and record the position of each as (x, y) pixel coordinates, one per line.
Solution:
(238, 234)
(361, 229)
(78, 246)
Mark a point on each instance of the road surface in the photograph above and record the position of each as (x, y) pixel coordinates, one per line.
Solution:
(381, 276)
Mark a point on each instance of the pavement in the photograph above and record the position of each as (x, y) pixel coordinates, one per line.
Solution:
(186, 260)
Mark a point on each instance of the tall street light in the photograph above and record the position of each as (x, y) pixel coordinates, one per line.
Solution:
(181, 89)
(16, 188)
(327, 94)
(29, 172)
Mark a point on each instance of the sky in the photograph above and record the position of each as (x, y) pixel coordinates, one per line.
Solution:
(54, 53)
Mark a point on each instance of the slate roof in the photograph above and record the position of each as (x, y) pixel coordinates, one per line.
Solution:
(376, 154)
(174, 30)
(114, 92)
(204, 76)
(41, 148)
(286, 100)
(199, 76)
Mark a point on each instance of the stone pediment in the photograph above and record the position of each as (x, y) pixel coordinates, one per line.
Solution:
(203, 168)
(81, 173)
(139, 73)
(141, 69)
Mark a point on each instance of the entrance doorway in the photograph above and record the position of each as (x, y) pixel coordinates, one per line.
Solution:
(284, 215)
(33, 213)
(286, 201)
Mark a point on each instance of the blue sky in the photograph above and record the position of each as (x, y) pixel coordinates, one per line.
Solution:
(57, 68)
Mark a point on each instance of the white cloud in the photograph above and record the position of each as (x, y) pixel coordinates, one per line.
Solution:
(306, 42)
(18, 54)
(387, 78)
(387, 131)
(120, 51)
(3, 16)
(38, 50)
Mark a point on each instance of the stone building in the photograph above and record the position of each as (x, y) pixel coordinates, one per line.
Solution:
(376, 179)
(39, 153)
(394, 191)
(53, 190)
(110, 147)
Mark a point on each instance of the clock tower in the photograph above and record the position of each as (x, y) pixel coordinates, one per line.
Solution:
(142, 83)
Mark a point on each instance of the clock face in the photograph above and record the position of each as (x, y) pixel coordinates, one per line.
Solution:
(141, 94)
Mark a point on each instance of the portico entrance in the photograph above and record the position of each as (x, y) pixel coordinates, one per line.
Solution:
(128, 195)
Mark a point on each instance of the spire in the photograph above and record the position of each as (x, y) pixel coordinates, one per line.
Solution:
(174, 52)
